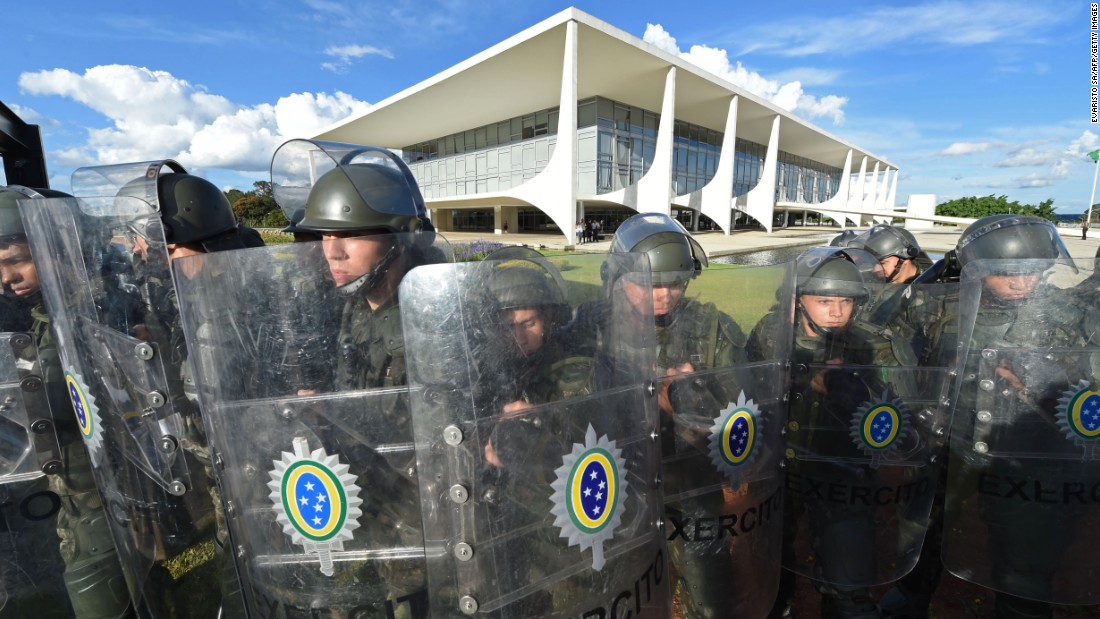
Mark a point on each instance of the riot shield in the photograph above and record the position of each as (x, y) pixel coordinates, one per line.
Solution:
(1024, 474)
(538, 463)
(31, 565)
(863, 439)
(103, 267)
(315, 460)
(723, 410)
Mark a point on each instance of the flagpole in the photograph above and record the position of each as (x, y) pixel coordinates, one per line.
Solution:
(1096, 170)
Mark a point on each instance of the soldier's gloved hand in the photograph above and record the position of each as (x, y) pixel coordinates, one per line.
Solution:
(818, 382)
(671, 375)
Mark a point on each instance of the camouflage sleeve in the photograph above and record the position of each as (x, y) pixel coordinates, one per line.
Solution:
(731, 343)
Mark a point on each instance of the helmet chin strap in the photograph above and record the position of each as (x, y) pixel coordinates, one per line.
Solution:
(897, 268)
(370, 280)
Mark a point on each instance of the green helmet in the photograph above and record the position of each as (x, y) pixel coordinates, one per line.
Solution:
(521, 277)
(1033, 242)
(191, 208)
(11, 222)
(364, 196)
(674, 255)
(830, 273)
(884, 240)
(842, 239)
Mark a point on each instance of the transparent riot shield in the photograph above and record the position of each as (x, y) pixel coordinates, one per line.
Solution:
(103, 267)
(723, 410)
(301, 385)
(31, 566)
(866, 425)
(1024, 472)
(538, 460)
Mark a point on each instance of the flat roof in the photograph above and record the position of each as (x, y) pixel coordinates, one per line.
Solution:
(522, 74)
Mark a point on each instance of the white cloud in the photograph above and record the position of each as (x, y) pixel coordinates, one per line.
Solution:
(155, 115)
(1028, 157)
(965, 148)
(345, 54)
(789, 96)
(948, 23)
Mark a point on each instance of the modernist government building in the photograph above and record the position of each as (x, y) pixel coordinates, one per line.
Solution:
(575, 119)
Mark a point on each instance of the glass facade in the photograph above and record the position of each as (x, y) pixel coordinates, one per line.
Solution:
(616, 145)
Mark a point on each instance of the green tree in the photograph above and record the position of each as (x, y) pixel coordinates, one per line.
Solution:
(257, 208)
(973, 206)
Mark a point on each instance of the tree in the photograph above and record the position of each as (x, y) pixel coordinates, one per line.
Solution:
(257, 208)
(976, 207)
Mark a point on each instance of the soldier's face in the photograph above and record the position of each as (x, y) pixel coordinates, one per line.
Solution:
(1011, 287)
(827, 312)
(664, 297)
(351, 255)
(528, 327)
(907, 271)
(17, 270)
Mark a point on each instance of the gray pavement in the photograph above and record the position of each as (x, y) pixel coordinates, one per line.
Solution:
(938, 240)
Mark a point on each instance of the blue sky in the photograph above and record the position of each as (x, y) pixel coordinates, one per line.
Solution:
(967, 98)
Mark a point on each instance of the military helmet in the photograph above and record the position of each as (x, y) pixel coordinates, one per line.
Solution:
(363, 196)
(191, 208)
(11, 222)
(842, 239)
(521, 277)
(884, 240)
(674, 255)
(829, 274)
(1032, 242)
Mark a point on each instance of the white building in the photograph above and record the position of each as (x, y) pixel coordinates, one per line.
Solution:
(575, 119)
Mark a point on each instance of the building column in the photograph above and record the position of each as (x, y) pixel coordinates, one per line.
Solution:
(856, 203)
(834, 206)
(554, 190)
(717, 195)
(760, 201)
(654, 190)
(892, 195)
(498, 221)
(870, 198)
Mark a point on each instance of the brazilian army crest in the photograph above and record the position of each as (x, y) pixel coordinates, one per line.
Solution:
(87, 414)
(1078, 416)
(734, 437)
(589, 494)
(877, 425)
(316, 500)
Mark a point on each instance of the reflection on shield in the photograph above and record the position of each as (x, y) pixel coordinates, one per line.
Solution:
(535, 443)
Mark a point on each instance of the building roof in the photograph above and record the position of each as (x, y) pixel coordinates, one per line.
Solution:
(522, 74)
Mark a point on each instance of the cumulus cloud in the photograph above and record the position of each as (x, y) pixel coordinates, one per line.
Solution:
(965, 148)
(345, 54)
(789, 96)
(1059, 162)
(155, 115)
(1028, 157)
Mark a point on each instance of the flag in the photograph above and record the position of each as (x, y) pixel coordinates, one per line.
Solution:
(1095, 155)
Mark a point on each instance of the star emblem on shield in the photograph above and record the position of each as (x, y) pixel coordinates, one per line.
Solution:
(734, 437)
(316, 500)
(590, 494)
(1078, 416)
(87, 414)
(877, 425)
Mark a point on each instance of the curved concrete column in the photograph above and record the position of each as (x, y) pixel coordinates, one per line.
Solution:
(554, 190)
(760, 200)
(870, 197)
(834, 206)
(716, 197)
(855, 201)
(654, 194)
(892, 195)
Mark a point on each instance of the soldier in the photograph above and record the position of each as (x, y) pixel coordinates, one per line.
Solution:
(896, 249)
(722, 499)
(854, 430)
(308, 540)
(540, 476)
(1023, 412)
(93, 584)
(127, 370)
